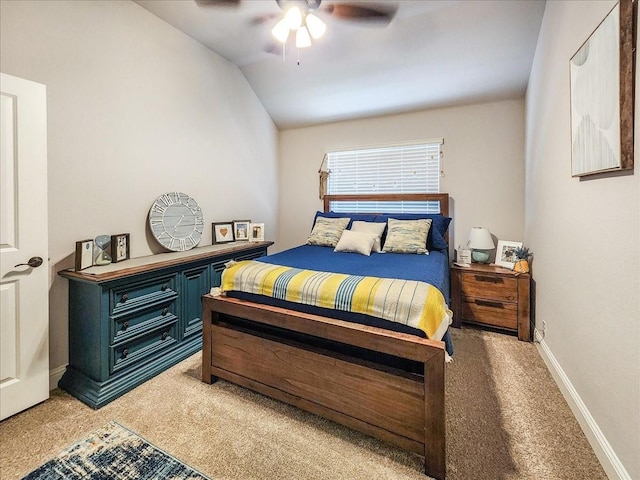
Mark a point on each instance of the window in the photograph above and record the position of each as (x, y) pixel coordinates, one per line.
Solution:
(413, 168)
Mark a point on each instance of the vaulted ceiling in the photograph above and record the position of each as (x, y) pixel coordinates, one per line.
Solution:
(432, 54)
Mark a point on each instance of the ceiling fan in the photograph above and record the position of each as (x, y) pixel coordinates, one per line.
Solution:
(299, 16)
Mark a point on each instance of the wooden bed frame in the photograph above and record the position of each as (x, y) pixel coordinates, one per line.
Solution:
(299, 359)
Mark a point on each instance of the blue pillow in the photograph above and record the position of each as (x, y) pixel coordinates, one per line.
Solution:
(364, 217)
(436, 239)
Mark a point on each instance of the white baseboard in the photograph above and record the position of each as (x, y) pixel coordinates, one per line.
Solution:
(608, 459)
(55, 375)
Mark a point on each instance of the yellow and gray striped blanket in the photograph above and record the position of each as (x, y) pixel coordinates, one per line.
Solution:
(417, 304)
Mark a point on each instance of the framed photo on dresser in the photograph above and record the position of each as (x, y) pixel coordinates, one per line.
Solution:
(120, 249)
(256, 232)
(241, 230)
(222, 232)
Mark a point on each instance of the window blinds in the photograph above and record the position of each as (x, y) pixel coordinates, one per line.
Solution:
(411, 168)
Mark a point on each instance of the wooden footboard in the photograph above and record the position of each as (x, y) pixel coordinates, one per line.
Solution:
(329, 367)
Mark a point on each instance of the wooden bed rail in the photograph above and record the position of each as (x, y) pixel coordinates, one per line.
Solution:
(396, 406)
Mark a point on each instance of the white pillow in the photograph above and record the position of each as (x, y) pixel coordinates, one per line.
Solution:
(355, 242)
(371, 227)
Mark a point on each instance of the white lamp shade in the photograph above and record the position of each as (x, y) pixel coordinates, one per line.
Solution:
(315, 25)
(303, 39)
(281, 30)
(294, 17)
(480, 239)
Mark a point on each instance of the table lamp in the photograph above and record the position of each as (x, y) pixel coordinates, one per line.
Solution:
(481, 244)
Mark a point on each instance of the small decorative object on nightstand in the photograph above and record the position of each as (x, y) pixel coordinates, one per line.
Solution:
(492, 296)
(481, 243)
(521, 265)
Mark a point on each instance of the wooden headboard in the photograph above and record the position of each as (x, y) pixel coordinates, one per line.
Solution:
(441, 198)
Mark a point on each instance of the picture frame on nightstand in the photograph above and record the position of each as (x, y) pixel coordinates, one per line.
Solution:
(505, 253)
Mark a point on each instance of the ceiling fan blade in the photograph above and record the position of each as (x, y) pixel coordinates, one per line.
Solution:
(267, 17)
(363, 13)
(273, 48)
(218, 3)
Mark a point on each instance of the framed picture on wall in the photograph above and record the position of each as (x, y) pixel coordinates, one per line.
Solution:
(602, 90)
(222, 232)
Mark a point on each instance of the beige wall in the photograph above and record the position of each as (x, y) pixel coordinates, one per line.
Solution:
(483, 163)
(585, 235)
(135, 109)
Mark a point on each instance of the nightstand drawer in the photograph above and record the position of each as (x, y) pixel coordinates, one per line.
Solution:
(494, 313)
(493, 287)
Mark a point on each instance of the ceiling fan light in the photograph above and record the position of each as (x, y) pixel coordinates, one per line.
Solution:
(315, 25)
(294, 17)
(303, 39)
(281, 30)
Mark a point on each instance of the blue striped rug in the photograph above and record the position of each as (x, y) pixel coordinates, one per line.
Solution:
(114, 453)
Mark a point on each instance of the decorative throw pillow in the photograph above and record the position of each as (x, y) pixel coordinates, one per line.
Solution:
(407, 236)
(355, 242)
(370, 227)
(327, 231)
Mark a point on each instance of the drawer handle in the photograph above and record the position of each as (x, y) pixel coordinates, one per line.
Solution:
(124, 298)
(164, 287)
(482, 278)
(165, 310)
(125, 352)
(487, 303)
(125, 325)
(165, 335)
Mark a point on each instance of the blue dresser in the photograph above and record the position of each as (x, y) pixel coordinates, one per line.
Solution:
(132, 320)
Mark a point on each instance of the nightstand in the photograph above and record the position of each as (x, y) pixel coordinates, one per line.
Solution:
(492, 296)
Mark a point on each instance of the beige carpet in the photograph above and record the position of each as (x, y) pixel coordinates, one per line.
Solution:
(506, 419)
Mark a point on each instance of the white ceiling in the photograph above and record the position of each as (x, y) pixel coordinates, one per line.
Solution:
(432, 54)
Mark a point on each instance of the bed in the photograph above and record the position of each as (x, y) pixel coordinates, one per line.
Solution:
(379, 377)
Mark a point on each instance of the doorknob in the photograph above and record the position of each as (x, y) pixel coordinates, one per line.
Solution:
(33, 262)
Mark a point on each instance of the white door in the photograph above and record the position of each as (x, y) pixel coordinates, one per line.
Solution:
(24, 295)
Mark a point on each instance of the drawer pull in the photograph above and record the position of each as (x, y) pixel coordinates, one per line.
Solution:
(164, 287)
(125, 325)
(165, 335)
(125, 352)
(124, 298)
(482, 278)
(165, 310)
(487, 303)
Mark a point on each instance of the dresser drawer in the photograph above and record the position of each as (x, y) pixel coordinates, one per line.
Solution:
(143, 346)
(494, 313)
(134, 296)
(489, 286)
(124, 327)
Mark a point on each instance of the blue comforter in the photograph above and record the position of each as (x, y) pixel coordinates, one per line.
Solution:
(432, 269)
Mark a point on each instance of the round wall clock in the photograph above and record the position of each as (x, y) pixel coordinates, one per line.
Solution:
(176, 221)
